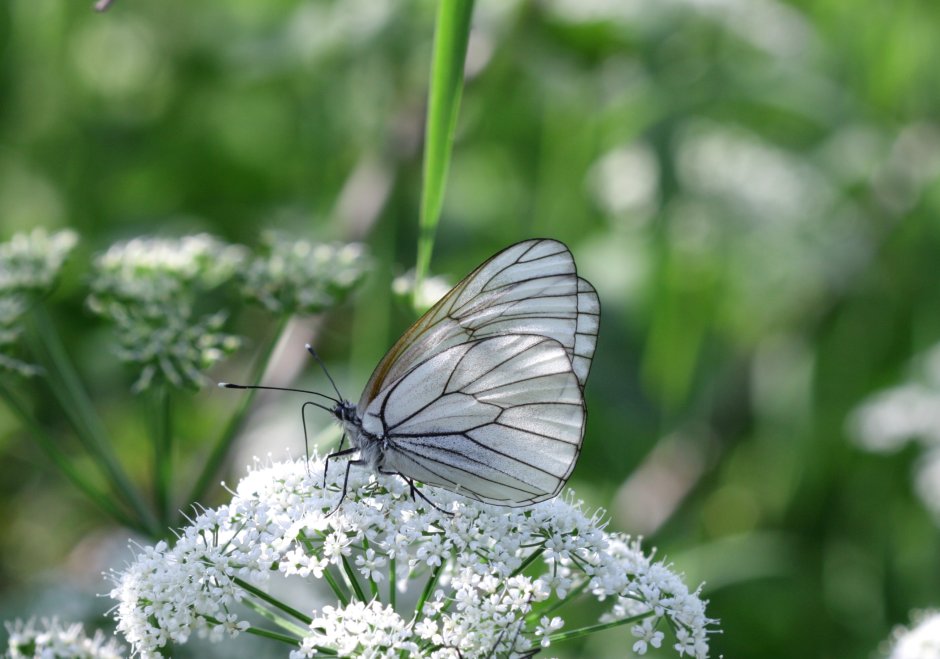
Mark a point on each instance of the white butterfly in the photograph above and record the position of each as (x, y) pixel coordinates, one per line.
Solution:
(483, 395)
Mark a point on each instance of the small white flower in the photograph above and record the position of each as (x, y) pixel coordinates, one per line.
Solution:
(647, 636)
(370, 565)
(546, 627)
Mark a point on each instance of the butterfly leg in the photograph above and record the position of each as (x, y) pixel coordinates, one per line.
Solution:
(349, 466)
(303, 419)
(338, 454)
(415, 491)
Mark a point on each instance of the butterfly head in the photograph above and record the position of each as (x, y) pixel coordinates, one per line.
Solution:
(345, 412)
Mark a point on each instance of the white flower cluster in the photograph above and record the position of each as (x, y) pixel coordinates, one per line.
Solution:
(921, 641)
(51, 639)
(297, 276)
(484, 581)
(29, 266)
(908, 411)
(153, 272)
(148, 288)
(31, 262)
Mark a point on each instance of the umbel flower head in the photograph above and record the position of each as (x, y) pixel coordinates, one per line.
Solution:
(54, 640)
(148, 288)
(29, 266)
(396, 573)
(298, 276)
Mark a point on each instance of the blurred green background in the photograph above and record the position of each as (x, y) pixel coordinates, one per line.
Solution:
(752, 186)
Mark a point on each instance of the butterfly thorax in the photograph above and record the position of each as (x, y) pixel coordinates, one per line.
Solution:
(370, 445)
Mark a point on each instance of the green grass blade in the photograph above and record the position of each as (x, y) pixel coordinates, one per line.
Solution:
(451, 35)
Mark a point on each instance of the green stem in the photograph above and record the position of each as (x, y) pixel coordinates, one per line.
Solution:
(353, 582)
(573, 593)
(337, 589)
(260, 594)
(64, 464)
(451, 34)
(264, 633)
(221, 449)
(162, 452)
(590, 629)
(392, 590)
(277, 636)
(429, 587)
(270, 615)
(66, 386)
(528, 561)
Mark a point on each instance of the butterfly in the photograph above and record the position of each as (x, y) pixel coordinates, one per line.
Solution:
(484, 394)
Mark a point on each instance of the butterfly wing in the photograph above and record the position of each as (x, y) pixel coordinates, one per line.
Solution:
(498, 419)
(531, 287)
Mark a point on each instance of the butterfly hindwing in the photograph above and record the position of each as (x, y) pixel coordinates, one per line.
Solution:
(499, 419)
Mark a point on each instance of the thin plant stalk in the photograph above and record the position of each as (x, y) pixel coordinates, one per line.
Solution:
(392, 579)
(162, 451)
(590, 629)
(258, 631)
(263, 596)
(224, 443)
(353, 582)
(62, 462)
(451, 35)
(66, 386)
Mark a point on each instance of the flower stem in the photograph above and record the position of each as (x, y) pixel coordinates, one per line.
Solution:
(260, 594)
(429, 587)
(337, 589)
(64, 464)
(162, 451)
(528, 561)
(264, 633)
(451, 34)
(268, 614)
(353, 582)
(392, 578)
(574, 592)
(66, 386)
(590, 629)
(221, 448)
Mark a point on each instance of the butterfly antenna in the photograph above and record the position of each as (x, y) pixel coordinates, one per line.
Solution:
(229, 385)
(323, 366)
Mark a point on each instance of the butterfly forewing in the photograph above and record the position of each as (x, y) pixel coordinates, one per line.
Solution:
(531, 287)
(499, 419)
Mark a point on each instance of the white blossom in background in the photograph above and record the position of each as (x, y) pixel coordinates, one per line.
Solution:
(909, 411)
(921, 641)
(51, 639)
(148, 287)
(432, 290)
(484, 581)
(299, 276)
(29, 267)
(152, 272)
